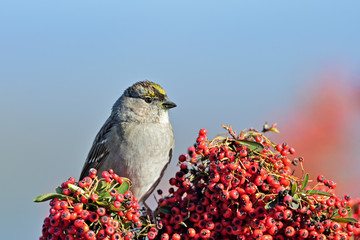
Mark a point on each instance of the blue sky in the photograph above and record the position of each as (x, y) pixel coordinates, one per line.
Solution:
(64, 63)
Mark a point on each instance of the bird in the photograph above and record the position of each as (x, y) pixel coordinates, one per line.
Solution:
(137, 140)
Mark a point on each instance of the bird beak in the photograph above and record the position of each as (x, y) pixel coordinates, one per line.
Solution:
(168, 104)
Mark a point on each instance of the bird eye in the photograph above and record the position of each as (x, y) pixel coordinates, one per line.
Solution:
(148, 100)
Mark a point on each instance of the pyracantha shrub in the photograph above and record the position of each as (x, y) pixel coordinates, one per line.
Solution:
(243, 187)
(94, 208)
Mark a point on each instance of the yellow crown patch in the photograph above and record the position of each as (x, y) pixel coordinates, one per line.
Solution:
(158, 88)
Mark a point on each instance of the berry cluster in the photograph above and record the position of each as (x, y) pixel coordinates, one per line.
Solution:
(354, 204)
(242, 187)
(93, 208)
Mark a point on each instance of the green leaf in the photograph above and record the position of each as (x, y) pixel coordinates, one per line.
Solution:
(112, 208)
(253, 146)
(101, 186)
(165, 209)
(294, 205)
(49, 196)
(305, 181)
(345, 220)
(75, 188)
(293, 188)
(58, 190)
(336, 212)
(123, 187)
(109, 206)
(317, 192)
(120, 189)
(271, 204)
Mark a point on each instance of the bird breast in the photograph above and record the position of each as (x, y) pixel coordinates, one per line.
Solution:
(141, 151)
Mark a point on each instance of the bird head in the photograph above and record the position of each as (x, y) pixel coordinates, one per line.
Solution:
(144, 101)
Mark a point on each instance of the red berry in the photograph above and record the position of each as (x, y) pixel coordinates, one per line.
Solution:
(285, 145)
(321, 237)
(90, 235)
(205, 233)
(151, 235)
(191, 232)
(347, 197)
(176, 236)
(109, 230)
(303, 233)
(79, 222)
(101, 211)
(84, 200)
(128, 235)
(292, 150)
(65, 215)
(182, 158)
(93, 217)
(164, 236)
(258, 139)
(92, 171)
(105, 174)
(116, 236)
(113, 192)
(243, 153)
(82, 184)
(234, 194)
(335, 226)
(343, 212)
(202, 132)
(288, 199)
(94, 197)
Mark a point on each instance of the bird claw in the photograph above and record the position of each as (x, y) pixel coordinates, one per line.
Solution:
(152, 216)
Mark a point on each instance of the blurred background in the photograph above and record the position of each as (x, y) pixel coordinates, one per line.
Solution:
(64, 63)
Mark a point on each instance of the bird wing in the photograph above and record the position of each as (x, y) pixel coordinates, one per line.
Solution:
(99, 150)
